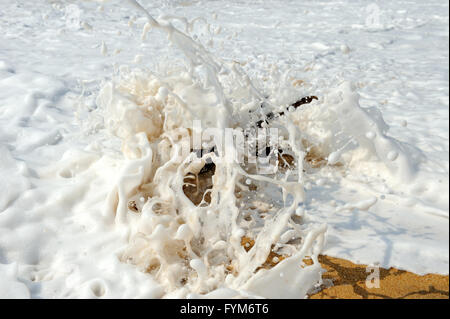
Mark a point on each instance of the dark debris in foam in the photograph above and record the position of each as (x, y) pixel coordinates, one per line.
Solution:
(270, 116)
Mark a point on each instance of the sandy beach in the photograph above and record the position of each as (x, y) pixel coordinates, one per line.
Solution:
(349, 282)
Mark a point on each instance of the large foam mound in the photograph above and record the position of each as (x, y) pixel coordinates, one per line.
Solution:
(239, 235)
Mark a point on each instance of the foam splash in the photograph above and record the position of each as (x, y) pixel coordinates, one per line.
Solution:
(244, 242)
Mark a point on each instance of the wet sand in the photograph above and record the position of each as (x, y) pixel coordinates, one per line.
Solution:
(349, 282)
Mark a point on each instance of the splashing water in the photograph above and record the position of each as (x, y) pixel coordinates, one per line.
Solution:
(247, 236)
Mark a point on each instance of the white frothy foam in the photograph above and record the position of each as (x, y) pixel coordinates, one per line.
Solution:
(197, 250)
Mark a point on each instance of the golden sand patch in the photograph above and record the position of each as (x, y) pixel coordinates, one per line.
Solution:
(349, 283)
